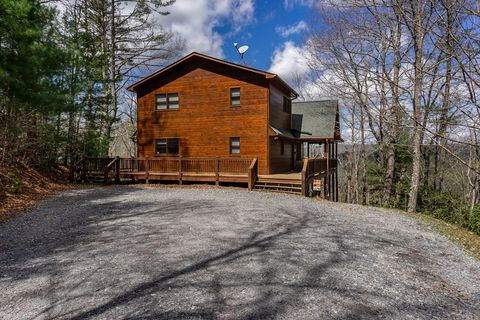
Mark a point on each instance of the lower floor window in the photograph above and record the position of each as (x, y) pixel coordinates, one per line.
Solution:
(235, 145)
(166, 146)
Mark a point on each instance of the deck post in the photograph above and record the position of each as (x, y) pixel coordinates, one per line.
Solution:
(336, 186)
(147, 180)
(328, 172)
(217, 173)
(117, 170)
(83, 172)
(304, 177)
(105, 170)
(250, 178)
(336, 172)
(71, 177)
(180, 170)
(133, 163)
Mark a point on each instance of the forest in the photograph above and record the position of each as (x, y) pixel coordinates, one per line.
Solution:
(406, 73)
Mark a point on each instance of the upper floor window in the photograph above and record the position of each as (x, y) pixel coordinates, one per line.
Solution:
(287, 105)
(235, 96)
(167, 101)
(166, 146)
(235, 145)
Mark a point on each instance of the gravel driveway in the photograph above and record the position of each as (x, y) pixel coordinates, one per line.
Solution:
(167, 253)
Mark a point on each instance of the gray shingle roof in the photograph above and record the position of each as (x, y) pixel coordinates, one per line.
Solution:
(315, 119)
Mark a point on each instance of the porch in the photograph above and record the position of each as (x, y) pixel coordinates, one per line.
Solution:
(317, 177)
(213, 170)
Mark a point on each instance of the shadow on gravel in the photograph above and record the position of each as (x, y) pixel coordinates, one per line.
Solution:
(112, 253)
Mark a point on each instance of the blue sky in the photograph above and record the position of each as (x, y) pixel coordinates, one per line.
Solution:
(273, 29)
(264, 35)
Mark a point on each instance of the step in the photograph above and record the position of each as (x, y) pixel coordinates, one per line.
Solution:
(268, 186)
(277, 191)
(283, 181)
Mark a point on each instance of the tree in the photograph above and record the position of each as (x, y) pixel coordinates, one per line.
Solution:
(30, 61)
(406, 65)
(111, 41)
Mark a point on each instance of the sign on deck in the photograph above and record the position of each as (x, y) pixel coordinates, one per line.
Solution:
(317, 185)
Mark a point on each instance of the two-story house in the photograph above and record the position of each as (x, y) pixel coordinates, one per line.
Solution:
(201, 106)
(203, 119)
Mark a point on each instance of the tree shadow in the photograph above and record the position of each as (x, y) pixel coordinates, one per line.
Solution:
(124, 254)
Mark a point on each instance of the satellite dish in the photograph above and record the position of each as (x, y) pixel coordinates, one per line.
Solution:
(241, 51)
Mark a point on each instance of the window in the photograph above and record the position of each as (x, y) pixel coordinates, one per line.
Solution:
(235, 96)
(282, 147)
(287, 105)
(167, 101)
(235, 145)
(166, 146)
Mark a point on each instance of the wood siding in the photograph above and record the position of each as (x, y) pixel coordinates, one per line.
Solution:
(279, 119)
(205, 120)
(278, 162)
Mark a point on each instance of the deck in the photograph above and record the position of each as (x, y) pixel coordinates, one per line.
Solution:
(288, 177)
(214, 170)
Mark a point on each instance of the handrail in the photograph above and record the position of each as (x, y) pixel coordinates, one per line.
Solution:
(107, 169)
(215, 167)
(112, 162)
(252, 174)
(304, 176)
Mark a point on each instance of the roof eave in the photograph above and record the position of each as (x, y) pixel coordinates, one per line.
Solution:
(267, 75)
(284, 84)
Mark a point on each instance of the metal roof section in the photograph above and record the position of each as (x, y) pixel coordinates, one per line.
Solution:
(316, 119)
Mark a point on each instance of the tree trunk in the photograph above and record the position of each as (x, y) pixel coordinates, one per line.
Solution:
(418, 35)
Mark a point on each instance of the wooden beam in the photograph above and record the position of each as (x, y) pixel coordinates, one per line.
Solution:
(180, 174)
(217, 169)
(117, 170)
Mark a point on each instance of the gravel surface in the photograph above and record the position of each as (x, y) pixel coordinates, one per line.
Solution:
(166, 253)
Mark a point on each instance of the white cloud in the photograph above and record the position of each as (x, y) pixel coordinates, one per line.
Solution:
(289, 4)
(289, 61)
(195, 21)
(292, 63)
(286, 31)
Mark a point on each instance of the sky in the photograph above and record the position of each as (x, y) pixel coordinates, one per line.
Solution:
(273, 29)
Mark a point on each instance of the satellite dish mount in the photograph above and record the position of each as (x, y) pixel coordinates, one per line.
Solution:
(241, 51)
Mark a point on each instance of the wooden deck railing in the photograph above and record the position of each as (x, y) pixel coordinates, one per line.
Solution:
(85, 166)
(252, 174)
(315, 167)
(213, 168)
(193, 169)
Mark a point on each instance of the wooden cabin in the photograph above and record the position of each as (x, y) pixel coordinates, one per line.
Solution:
(202, 108)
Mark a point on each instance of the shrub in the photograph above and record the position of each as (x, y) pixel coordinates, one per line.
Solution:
(447, 207)
(473, 219)
(16, 182)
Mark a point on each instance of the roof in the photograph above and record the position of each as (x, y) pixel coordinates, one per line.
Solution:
(285, 133)
(316, 119)
(268, 75)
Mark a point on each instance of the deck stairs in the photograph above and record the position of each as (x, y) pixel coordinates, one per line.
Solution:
(93, 177)
(270, 184)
